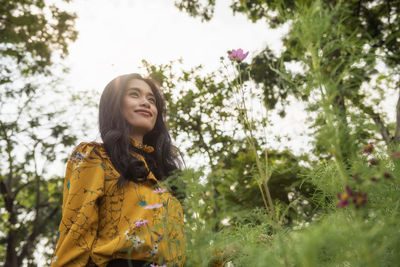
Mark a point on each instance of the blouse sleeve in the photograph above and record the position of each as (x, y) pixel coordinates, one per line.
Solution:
(83, 186)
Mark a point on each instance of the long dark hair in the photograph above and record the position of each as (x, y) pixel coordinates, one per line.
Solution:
(115, 131)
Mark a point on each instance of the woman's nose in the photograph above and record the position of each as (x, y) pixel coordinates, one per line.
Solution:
(145, 102)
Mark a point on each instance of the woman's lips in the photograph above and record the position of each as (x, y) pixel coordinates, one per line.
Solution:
(144, 112)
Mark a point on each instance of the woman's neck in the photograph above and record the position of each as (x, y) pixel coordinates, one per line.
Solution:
(137, 138)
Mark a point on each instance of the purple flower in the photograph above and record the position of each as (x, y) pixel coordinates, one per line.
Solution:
(155, 206)
(387, 175)
(360, 199)
(159, 190)
(344, 198)
(237, 55)
(140, 223)
(372, 162)
(343, 203)
(369, 148)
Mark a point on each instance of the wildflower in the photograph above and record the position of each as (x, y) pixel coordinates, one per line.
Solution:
(140, 223)
(360, 199)
(155, 206)
(344, 198)
(356, 177)
(387, 175)
(369, 148)
(372, 162)
(155, 265)
(237, 55)
(159, 190)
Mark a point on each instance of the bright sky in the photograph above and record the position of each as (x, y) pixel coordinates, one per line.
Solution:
(114, 36)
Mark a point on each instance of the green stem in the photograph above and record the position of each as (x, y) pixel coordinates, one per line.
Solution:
(335, 148)
(264, 174)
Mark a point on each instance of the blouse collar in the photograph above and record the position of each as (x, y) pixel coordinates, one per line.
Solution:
(143, 147)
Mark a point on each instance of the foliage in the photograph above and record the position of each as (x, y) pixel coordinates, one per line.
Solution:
(353, 202)
(194, 8)
(238, 187)
(30, 33)
(340, 209)
(198, 107)
(372, 26)
(33, 132)
(203, 118)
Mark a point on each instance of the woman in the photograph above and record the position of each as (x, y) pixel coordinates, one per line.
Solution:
(114, 208)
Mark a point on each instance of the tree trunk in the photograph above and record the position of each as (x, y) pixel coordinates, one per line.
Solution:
(378, 122)
(344, 132)
(11, 256)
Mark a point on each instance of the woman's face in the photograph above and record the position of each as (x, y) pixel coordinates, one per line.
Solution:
(139, 108)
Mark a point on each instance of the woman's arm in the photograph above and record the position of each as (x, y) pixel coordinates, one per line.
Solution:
(83, 186)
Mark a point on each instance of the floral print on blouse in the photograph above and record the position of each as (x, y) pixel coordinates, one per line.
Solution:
(101, 221)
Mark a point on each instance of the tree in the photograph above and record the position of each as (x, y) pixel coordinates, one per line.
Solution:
(31, 33)
(203, 119)
(288, 190)
(338, 45)
(33, 36)
(376, 25)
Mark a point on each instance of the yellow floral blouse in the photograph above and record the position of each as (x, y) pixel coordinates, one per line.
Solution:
(101, 221)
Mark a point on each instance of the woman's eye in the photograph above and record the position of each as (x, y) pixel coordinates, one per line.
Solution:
(133, 94)
(152, 100)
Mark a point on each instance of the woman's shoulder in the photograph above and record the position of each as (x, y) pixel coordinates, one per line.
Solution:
(85, 167)
(89, 150)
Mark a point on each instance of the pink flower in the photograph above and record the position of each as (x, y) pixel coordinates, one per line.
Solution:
(360, 199)
(140, 223)
(237, 55)
(159, 190)
(155, 206)
(369, 148)
(344, 198)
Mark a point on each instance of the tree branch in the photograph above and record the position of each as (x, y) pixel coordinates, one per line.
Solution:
(32, 237)
(6, 195)
(19, 188)
(378, 121)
